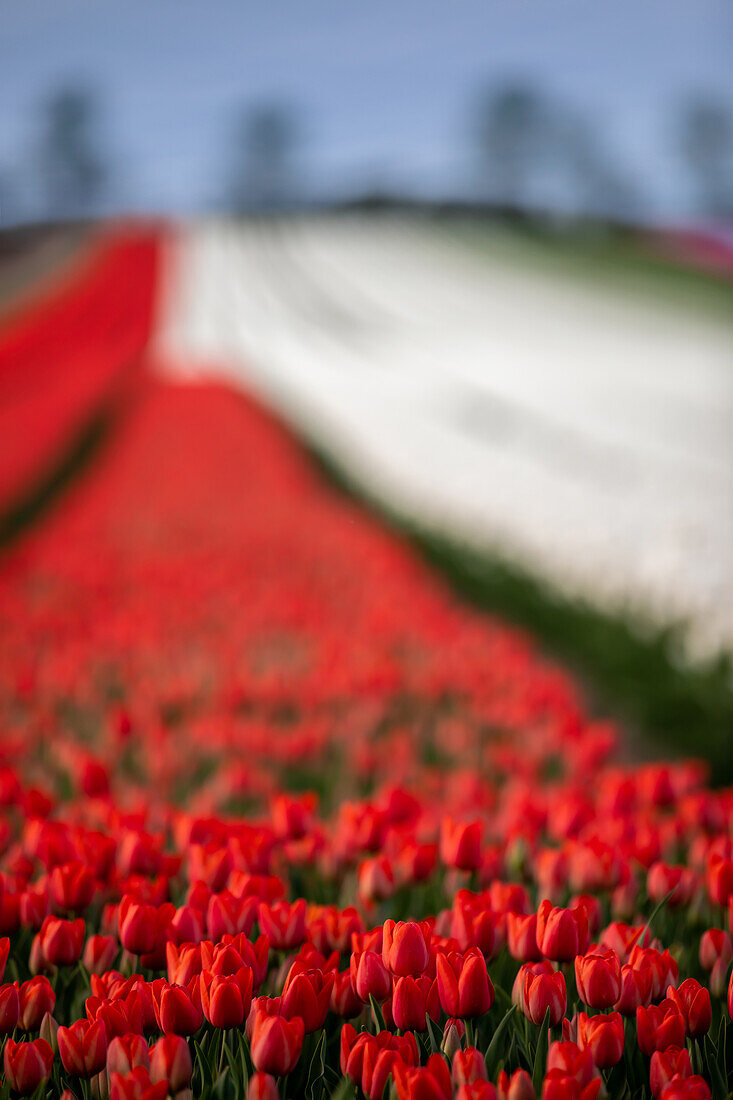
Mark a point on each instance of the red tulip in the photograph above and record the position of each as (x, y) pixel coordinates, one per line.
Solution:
(539, 987)
(636, 989)
(61, 941)
(464, 985)
(175, 1011)
(36, 997)
(468, 1065)
(27, 1065)
(715, 944)
(136, 1085)
(99, 953)
(83, 1048)
(412, 999)
(283, 923)
(276, 1044)
(430, 1082)
(71, 887)
(571, 1061)
(307, 994)
(226, 999)
(660, 1026)
(262, 1087)
(9, 1009)
(517, 1087)
(693, 1001)
(598, 977)
(344, 1001)
(406, 947)
(460, 844)
(666, 1064)
(126, 1052)
(686, 1088)
(556, 1086)
(522, 937)
(170, 1060)
(370, 977)
(561, 933)
(603, 1036)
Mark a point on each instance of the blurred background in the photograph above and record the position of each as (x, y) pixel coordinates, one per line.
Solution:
(616, 110)
(479, 254)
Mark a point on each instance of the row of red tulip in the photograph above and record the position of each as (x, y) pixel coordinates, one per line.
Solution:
(279, 816)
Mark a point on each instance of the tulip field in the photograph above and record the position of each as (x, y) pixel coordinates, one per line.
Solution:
(281, 817)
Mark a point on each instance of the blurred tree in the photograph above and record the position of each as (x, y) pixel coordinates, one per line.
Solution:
(512, 131)
(602, 188)
(73, 172)
(706, 138)
(263, 175)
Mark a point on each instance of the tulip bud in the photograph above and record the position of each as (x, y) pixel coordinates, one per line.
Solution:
(49, 1031)
(453, 1034)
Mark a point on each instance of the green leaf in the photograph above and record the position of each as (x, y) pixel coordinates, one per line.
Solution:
(540, 1056)
(492, 1050)
(660, 905)
(206, 1074)
(344, 1091)
(377, 1014)
(317, 1066)
(433, 1035)
(717, 1080)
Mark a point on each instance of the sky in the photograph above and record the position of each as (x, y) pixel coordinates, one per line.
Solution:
(385, 89)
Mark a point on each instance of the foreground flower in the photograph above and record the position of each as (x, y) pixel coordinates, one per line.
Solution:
(539, 989)
(464, 985)
(603, 1036)
(406, 947)
(598, 977)
(27, 1065)
(276, 1044)
(83, 1048)
(666, 1065)
(170, 1060)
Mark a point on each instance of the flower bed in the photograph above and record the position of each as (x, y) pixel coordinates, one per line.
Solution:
(279, 816)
